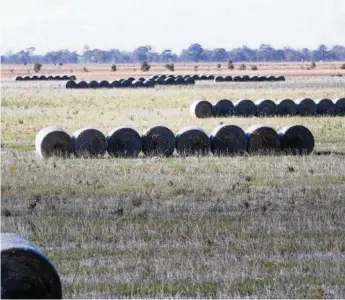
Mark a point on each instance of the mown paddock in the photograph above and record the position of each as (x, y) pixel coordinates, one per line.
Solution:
(276, 221)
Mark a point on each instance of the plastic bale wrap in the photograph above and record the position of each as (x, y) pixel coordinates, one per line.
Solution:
(57, 77)
(104, 84)
(42, 78)
(280, 78)
(89, 143)
(149, 83)
(192, 140)
(339, 106)
(262, 139)
(254, 78)
(71, 84)
(115, 84)
(296, 140)
(169, 81)
(286, 107)
(237, 78)
(201, 109)
(245, 108)
(180, 81)
(245, 78)
(93, 84)
(158, 141)
(228, 140)
(124, 142)
(53, 141)
(210, 77)
(263, 78)
(137, 84)
(83, 85)
(219, 79)
(306, 107)
(325, 107)
(19, 78)
(190, 81)
(266, 108)
(228, 78)
(26, 273)
(223, 108)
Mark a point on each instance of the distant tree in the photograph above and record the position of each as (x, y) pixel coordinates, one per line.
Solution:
(85, 69)
(145, 66)
(254, 67)
(196, 68)
(219, 66)
(230, 65)
(342, 67)
(170, 67)
(219, 54)
(242, 67)
(37, 67)
(113, 67)
(312, 65)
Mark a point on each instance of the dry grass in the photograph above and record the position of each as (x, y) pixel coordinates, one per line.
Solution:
(256, 227)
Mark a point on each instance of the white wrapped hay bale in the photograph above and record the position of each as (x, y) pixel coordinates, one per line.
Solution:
(245, 108)
(262, 140)
(228, 140)
(201, 109)
(89, 142)
(266, 108)
(158, 141)
(26, 273)
(296, 139)
(286, 107)
(325, 107)
(339, 106)
(223, 108)
(306, 107)
(53, 141)
(124, 142)
(192, 140)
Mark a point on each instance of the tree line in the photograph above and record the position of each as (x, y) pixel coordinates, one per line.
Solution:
(194, 53)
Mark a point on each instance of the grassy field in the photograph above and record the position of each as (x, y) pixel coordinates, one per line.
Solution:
(251, 226)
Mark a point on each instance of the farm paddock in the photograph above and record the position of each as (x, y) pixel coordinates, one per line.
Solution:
(244, 226)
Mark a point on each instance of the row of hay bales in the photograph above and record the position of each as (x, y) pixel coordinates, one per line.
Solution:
(161, 141)
(45, 77)
(26, 273)
(265, 107)
(247, 78)
(173, 79)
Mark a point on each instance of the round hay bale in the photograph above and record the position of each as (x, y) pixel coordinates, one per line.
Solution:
(237, 78)
(158, 141)
(204, 77)
(104, 84)
(186, 77)
(178, 76)
(53, 141)
(339, 106)
(51, 77)
(271, 78)
(83, 85)
(306, 107)
(121, 80)
(149, 83)
(245, 78)
(189, 81)
(154, 77)
(124, 142)
(26, 273)
(126, 83)
(27, 78)
(72, 77)
(42, 77)
(254, 78)
(219, 79)
(163, 77)
(266, 108)
(115, 84)
(325, 107)
(57, 77)
(34, 77)
(223, 108)
(245, 108)
(192, 140)
(64, 77)
(71, 84)
(286, 107)
(262, 140)
(89, 142)
(130, 79)
(201, 109)
(137, 84)
(179, 81)
(296, 140)
(196, 77)
(228, 140)
(93, 84)
(263, 78)
(19, 78)
(160, 81)
(228, 78)
(169, 81)
(171, 76)
(142, 79)
(210, 77)
(280, 78)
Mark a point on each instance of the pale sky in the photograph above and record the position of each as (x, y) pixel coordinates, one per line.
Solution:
(169, 24)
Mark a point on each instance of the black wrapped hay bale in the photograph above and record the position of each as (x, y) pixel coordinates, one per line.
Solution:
(263, 78)
(296, 140)
(71, 84)
(201, 109)
(115, 84)
(131, 79)
(158, 141)
(245, 78)
(93, 84)
(65, 77)
(35, 77)
(26, 273)
(271, 78)
(192, 140)
(89, 142)
(173, 76)
(339, 106)
(223, 108)
(245, 108)
(154, 77)
(237, 78)
(254, 78)
(53, 141)
(189, 81)
(280, 78)
(159, 81)
(51, 77)
(196, 77)
(19, 78)
(42, 78)
(124, 142)
(72, 77)
(137, 84)
(219, 79)
(227, 78)
(179, 80)
(228, 140)
(149, 83)
(306, 107)
(266, 108)
(104, 84)
(262, 140)
(57, 77)
(169, 81)
(204, 77)
(83, 85)
(126, 83)
(210, 77)
(325, 107)
(163, 76)
(286, 107)
(27, 78)
(142, 79)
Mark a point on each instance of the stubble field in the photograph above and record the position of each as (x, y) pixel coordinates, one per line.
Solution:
(251, 226)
